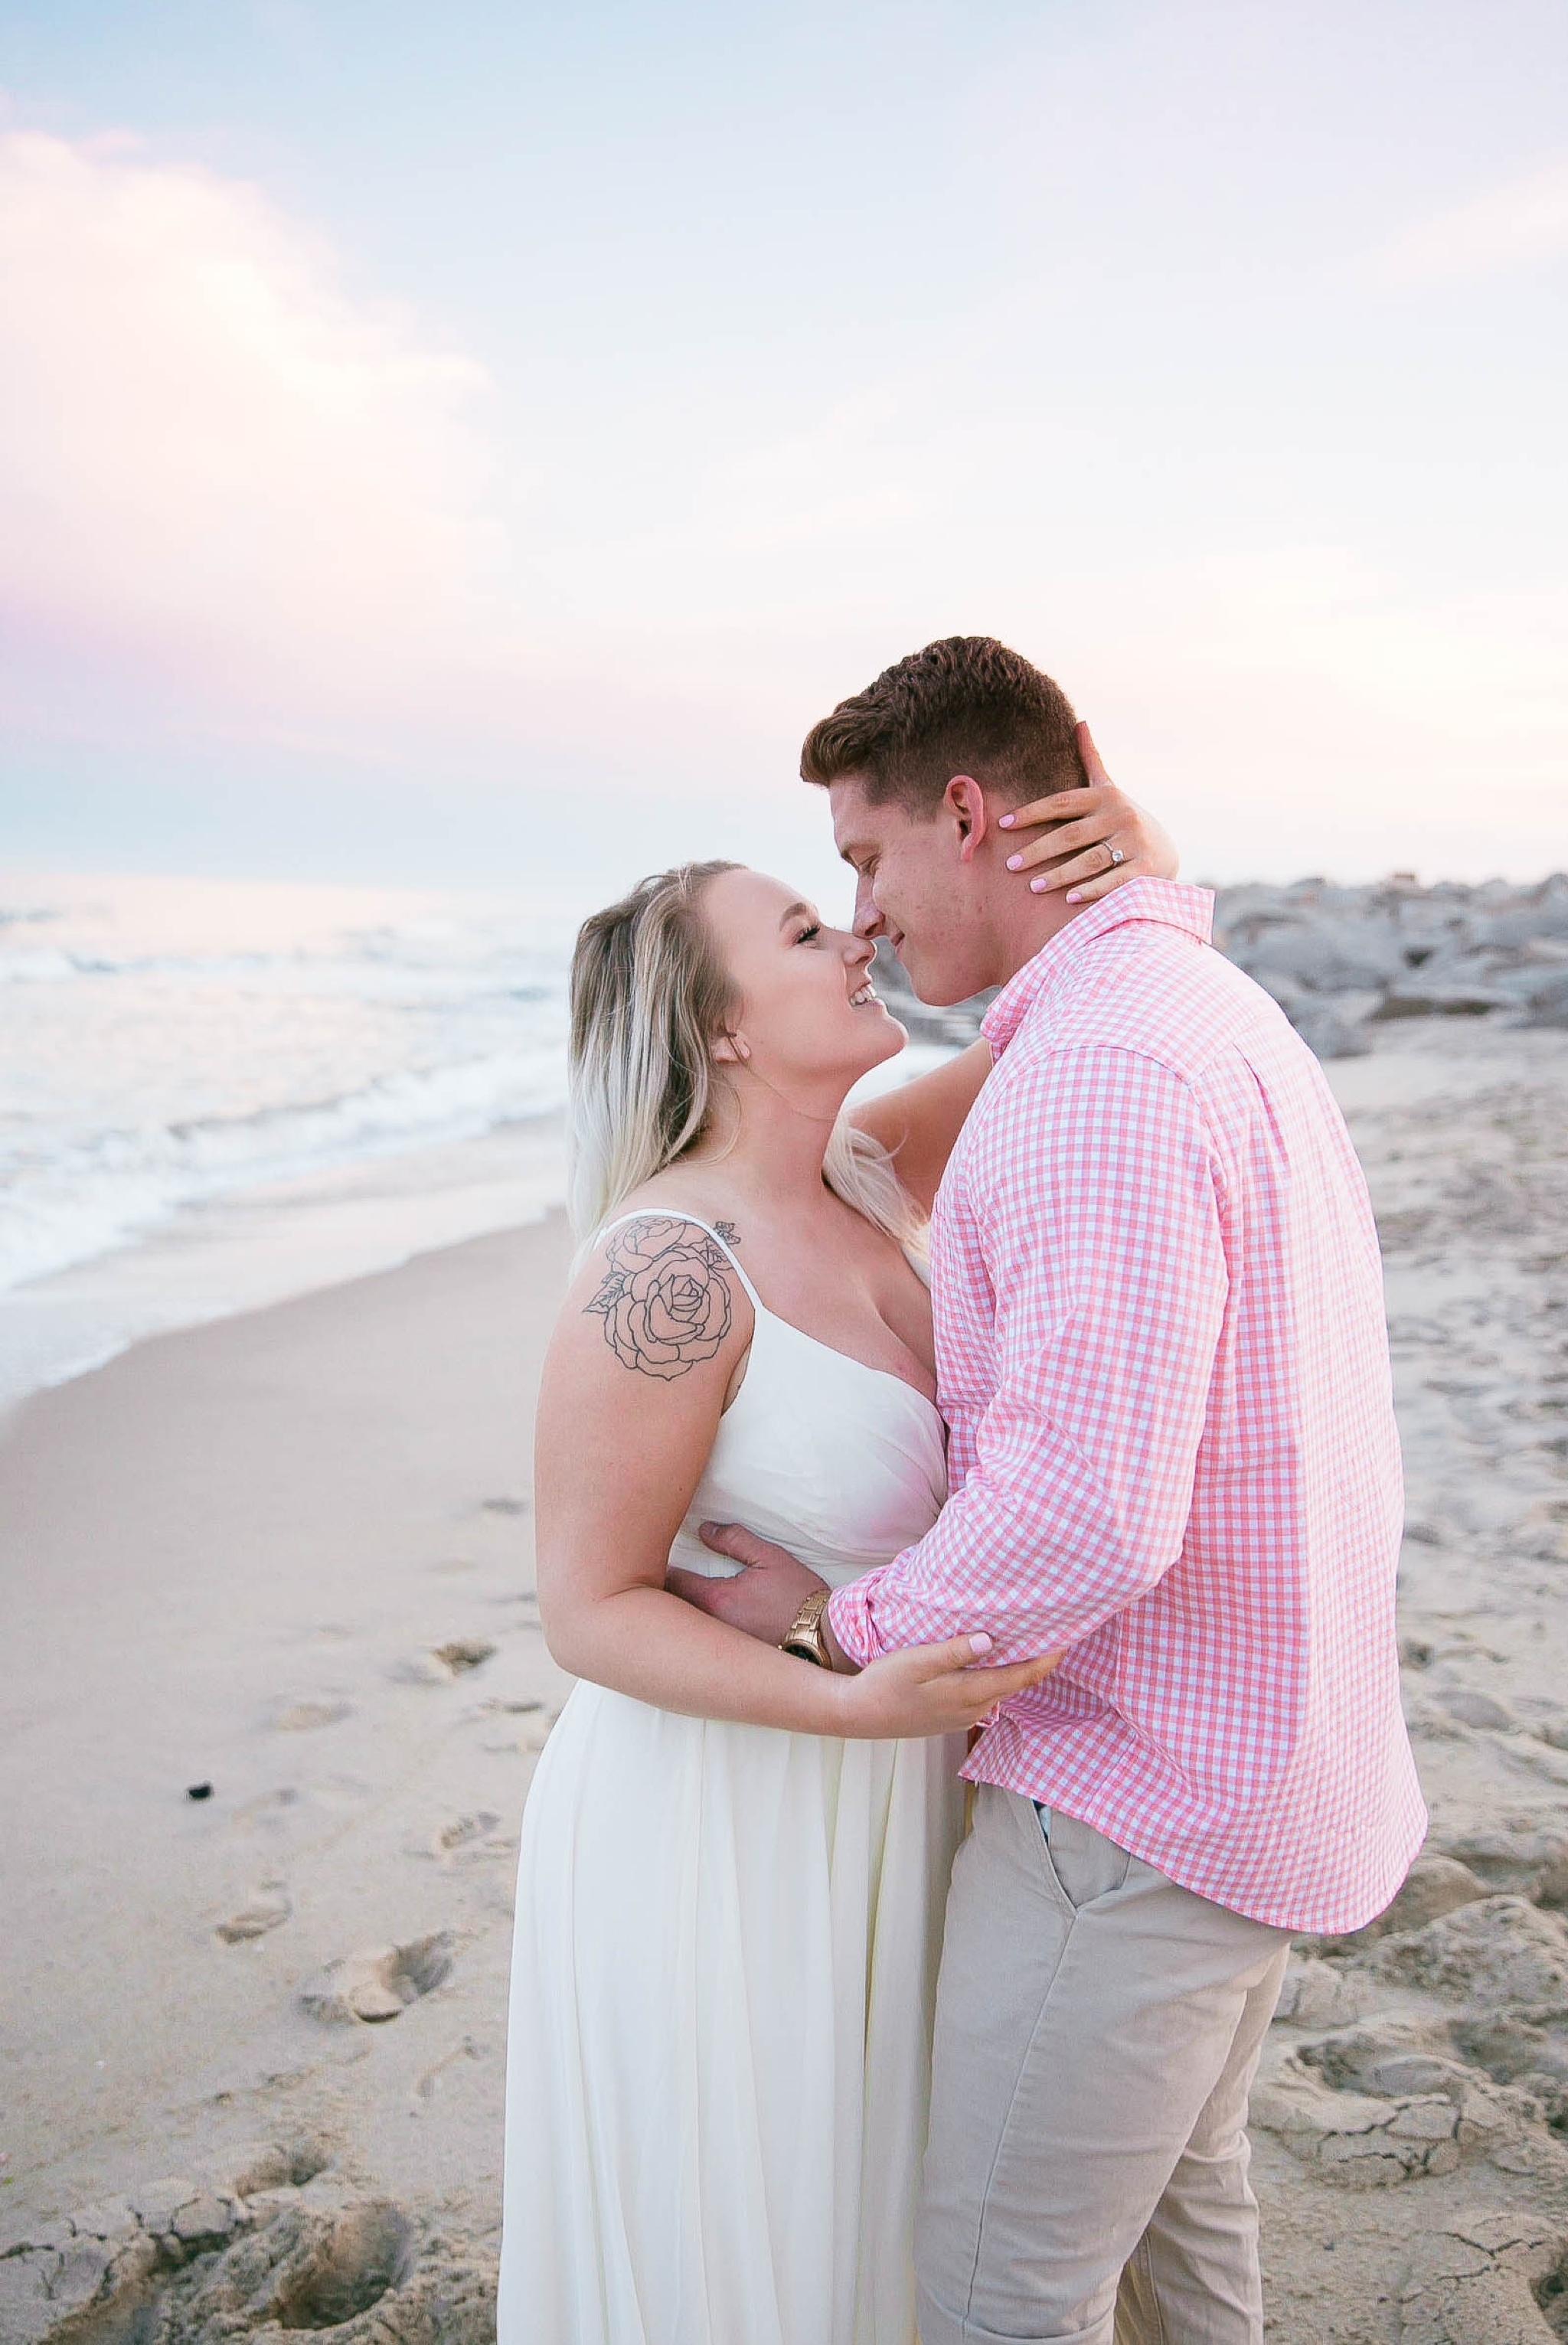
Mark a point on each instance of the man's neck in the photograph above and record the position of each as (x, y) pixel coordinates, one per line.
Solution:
(1024, 924)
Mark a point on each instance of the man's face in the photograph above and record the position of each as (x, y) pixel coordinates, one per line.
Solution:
(915, 887)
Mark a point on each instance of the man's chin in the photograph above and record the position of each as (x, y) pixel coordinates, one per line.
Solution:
(937, 988)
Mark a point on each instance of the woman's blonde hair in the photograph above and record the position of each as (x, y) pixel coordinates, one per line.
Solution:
(648, 1000)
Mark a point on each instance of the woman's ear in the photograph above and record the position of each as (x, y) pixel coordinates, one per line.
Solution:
(731, 1048)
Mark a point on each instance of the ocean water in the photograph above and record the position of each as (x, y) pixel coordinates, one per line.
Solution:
(211, 1093)
(214, 1095)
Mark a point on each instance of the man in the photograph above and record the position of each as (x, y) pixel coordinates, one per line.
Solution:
(1161, 1352)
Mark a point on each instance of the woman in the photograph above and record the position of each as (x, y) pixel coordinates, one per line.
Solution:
(734, 1865)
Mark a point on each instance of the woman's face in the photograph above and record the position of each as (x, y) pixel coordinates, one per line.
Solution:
(805, 1008)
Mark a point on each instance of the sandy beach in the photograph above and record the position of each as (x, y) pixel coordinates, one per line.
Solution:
(288, 1556)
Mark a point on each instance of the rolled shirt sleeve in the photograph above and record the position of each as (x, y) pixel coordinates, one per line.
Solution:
(1092, 1192)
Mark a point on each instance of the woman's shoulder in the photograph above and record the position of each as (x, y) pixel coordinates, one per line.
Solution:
(668, 1197)
(663, 1290)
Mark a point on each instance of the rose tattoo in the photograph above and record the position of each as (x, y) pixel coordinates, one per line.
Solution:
(664, 1298)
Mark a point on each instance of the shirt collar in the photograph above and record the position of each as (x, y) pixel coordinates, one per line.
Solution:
(1163, 901)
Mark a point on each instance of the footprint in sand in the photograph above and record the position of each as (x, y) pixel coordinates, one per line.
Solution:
(464, 1653)
(380, 1982)
(441, 1663)
(304, 1717)
(265, 1813)
(528, 1601)
(262, 1910)
(467, 1840)
(532, 1737)
(348, 2265)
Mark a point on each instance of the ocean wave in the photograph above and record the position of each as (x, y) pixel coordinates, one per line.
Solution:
(88, 1197)
(387, 979)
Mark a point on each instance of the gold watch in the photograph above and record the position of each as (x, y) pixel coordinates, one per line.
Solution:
(805, 1638)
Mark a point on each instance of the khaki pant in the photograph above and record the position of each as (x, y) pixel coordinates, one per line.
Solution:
(1097, 2030)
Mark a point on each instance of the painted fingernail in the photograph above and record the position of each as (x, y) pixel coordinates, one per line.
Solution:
(1015, 863)
(1075, 895)
(1005, 821)
(1038, 887)
(981, 1643)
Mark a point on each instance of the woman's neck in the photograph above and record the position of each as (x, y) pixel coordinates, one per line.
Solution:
(768, 1146)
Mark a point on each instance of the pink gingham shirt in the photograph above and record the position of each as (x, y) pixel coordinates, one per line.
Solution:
(1161, 1353)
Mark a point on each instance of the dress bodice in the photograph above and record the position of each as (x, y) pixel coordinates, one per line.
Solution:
(843, 1464)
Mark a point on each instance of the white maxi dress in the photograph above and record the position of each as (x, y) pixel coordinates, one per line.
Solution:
(726, 1943)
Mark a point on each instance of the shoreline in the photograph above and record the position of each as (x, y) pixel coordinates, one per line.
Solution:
(272, 1242)
(277, 1241)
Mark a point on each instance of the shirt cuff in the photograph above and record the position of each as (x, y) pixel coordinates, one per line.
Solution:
(850, 1617)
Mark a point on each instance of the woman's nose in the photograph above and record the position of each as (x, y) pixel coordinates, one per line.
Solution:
(858, 951)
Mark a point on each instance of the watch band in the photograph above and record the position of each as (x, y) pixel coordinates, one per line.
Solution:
(805, 1638)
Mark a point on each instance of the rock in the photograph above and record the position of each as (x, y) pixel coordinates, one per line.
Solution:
(1335, 958)
(1546, 1003)
(1441, 1002)
(1330, 1031)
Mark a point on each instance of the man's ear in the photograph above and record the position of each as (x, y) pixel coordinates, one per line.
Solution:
(965, 801)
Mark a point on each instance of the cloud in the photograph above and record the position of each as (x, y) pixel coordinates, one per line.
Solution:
(1520, 225)
(227, 486)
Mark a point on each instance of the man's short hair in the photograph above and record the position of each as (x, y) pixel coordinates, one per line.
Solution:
(966, 705)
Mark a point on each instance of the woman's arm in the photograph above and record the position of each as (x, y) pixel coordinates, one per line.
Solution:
(633, 1387)
(918, 1124)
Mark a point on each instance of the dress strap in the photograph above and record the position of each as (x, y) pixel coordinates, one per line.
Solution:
(678, 1213)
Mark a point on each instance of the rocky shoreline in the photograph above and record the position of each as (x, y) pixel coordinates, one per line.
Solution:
(1340, 962)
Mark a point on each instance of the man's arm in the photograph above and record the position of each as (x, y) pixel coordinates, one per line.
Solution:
(1098, 1214)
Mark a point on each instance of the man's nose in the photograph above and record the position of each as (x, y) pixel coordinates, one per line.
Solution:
(868, 919)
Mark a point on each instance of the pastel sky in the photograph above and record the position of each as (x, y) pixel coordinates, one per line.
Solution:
(471, 443)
